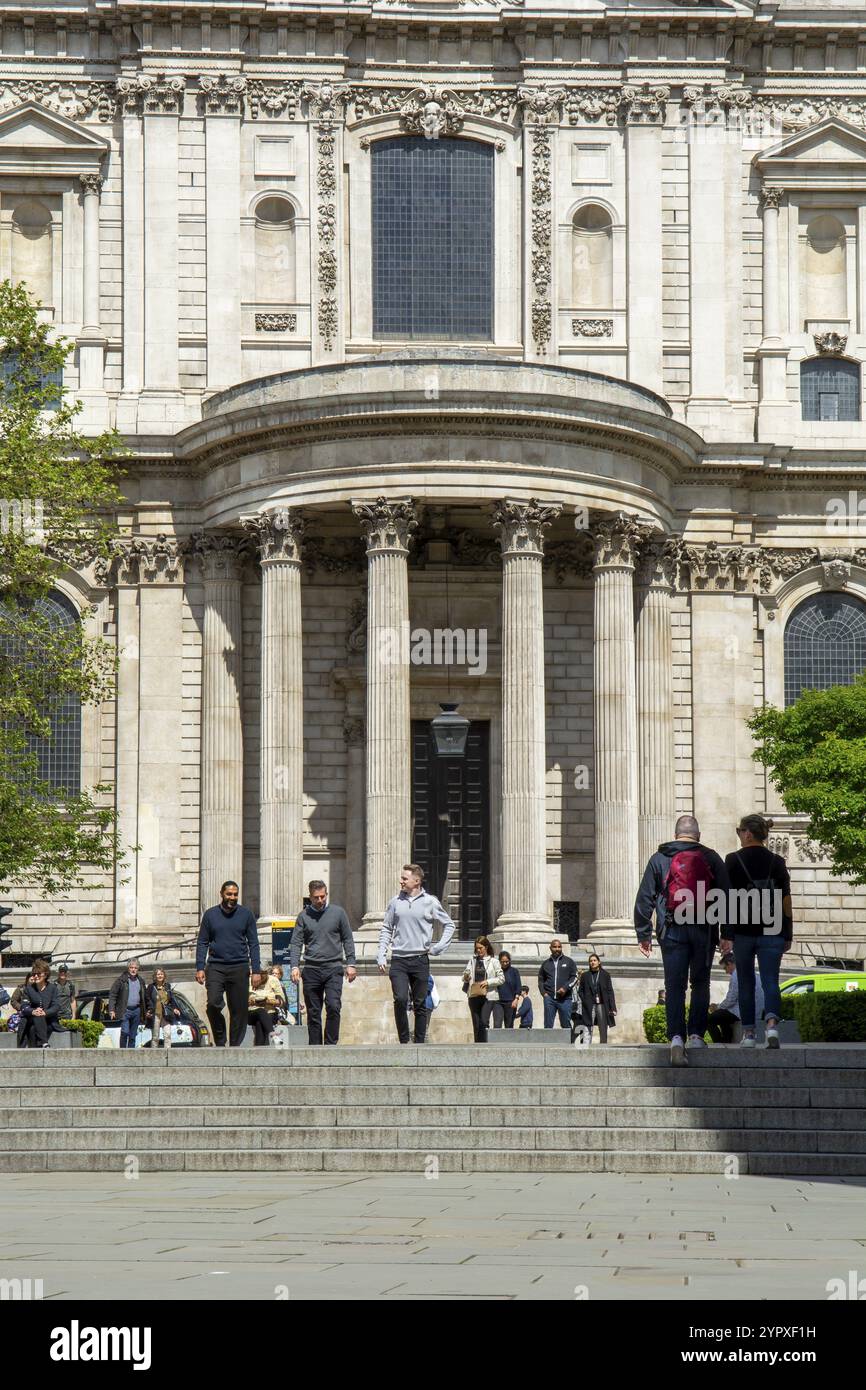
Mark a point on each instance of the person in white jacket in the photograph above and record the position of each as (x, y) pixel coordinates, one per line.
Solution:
(723, 1018)
(481, 980)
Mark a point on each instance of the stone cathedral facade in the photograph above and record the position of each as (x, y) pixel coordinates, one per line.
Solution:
(506, 355)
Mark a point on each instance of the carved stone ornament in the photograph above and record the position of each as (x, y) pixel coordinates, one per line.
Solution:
(222, 95)
(592, 328)
(645, 104)
(91, 183)
(152, 94)
(658, 561)
(326, 100)
(771, 198)
(541, 255)
(221, 554)
(278, 534)
(356, 637)
(353, 730)
(456, 103)
(571, 557)
(836, 571)
(521, 525)
(590, 104)
(273, 99)
(431, 112)
(65, 96)
(276, 323)
(830, 343)
(346, 556)
(541, 105)
(160, 559)
(387, 525)
(716, 102)
(617, 538)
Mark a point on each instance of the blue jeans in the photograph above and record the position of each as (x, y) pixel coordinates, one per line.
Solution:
(552, 1007)
(769, 951)
(687, 962)
(129, 1027)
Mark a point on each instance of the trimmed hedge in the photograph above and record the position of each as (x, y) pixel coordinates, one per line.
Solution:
(89, 1030)
(835, 1016)
(655, 1027)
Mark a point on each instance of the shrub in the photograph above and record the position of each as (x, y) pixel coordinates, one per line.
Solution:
(88, 1029)
(655, 1026)
(837, 1016)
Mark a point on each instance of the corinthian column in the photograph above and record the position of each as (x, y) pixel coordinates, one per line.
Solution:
(525, 913)
(222, 746)
(279, 535)
(655, 693)
(91, 342)
(388, 527)
(615, 724)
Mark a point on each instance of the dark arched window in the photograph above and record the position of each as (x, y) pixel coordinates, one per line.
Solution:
(432, 239)
(825, 644)
(58, 758)
(830, 389)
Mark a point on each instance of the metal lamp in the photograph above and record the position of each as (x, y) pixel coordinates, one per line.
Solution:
(450, 731)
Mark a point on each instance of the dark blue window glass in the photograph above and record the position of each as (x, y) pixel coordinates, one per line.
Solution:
(825, 644)
(58, 758)
(830, 389)
(9, 370)
(432, 239)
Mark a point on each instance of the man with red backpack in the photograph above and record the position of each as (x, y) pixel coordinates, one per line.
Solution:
(686, 886)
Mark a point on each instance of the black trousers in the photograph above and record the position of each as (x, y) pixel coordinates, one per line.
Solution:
(721, 1024)
(410, 972)
(479, 1011)
(508, 1014)
(233, 981)
(263, 1022)
(323, 986)
(34, 1031)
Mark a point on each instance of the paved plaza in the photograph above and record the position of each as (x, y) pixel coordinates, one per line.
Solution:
(295, 1236)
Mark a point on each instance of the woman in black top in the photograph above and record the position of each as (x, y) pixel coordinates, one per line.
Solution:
(597, 999)
(762, 931)
(504, 1011)
(40, 1010)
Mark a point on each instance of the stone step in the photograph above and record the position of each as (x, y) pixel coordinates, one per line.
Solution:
(494, 1161)
(575, 1117)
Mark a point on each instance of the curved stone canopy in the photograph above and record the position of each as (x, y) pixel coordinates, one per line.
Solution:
(439, 426)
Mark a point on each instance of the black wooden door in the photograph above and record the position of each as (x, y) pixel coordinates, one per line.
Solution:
(450, 825)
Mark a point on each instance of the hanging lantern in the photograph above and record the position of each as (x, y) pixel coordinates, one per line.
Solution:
(450, 731)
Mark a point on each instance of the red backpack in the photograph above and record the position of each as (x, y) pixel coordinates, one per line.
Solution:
(688, 870)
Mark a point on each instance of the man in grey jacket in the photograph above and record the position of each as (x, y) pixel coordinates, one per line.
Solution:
(408, 931)
(323, 933)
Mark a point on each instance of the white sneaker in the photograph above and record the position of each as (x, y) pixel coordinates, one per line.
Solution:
(695, 1041)
(748, 1040)
(773, 1037)
(678, 1053)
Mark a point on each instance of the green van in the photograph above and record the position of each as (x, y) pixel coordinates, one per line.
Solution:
(836, 981)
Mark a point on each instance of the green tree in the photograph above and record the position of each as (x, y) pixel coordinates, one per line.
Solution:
(815, 751)
(58, 495)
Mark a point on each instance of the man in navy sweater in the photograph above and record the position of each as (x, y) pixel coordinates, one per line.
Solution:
(229, 943)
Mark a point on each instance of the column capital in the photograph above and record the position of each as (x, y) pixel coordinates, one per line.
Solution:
(658, 560)
(388, 526)
(771, 198)
(278, 535)
(521, 524)
(91, 184)
(221, 554)
(160, 559)
(617, 537)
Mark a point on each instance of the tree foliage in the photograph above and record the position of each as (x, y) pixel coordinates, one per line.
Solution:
(815, 751)
(58, 494)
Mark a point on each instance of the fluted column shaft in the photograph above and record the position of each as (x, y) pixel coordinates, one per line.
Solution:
(615, 724)
(222, 744)
(770, 200)
(388, 527)
(91, 186)
(525, 911)
(281, 853)
(655, 695)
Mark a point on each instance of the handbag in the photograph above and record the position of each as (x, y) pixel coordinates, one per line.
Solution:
(478, 989)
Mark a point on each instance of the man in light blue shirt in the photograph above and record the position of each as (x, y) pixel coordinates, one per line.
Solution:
(407, 931)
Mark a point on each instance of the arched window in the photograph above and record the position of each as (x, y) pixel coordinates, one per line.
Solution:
(825, 644)
(32, 261)
(58, 757)
(592, 258)
(830, 389)
(432, 216)
(275, 251)
(824, 273)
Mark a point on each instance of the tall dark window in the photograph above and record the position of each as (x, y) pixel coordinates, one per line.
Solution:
(830, 389)
(825, 644)
(9, 369)
(58, 758)
(432, 239)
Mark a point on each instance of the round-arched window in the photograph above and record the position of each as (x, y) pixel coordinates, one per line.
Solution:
(825, 644)
(58, 757)
(830, 389)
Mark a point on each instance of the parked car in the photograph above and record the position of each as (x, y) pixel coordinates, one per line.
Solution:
(838, 981)
(94, 1004)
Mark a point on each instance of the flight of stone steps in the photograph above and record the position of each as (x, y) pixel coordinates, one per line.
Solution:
(800, 1111)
